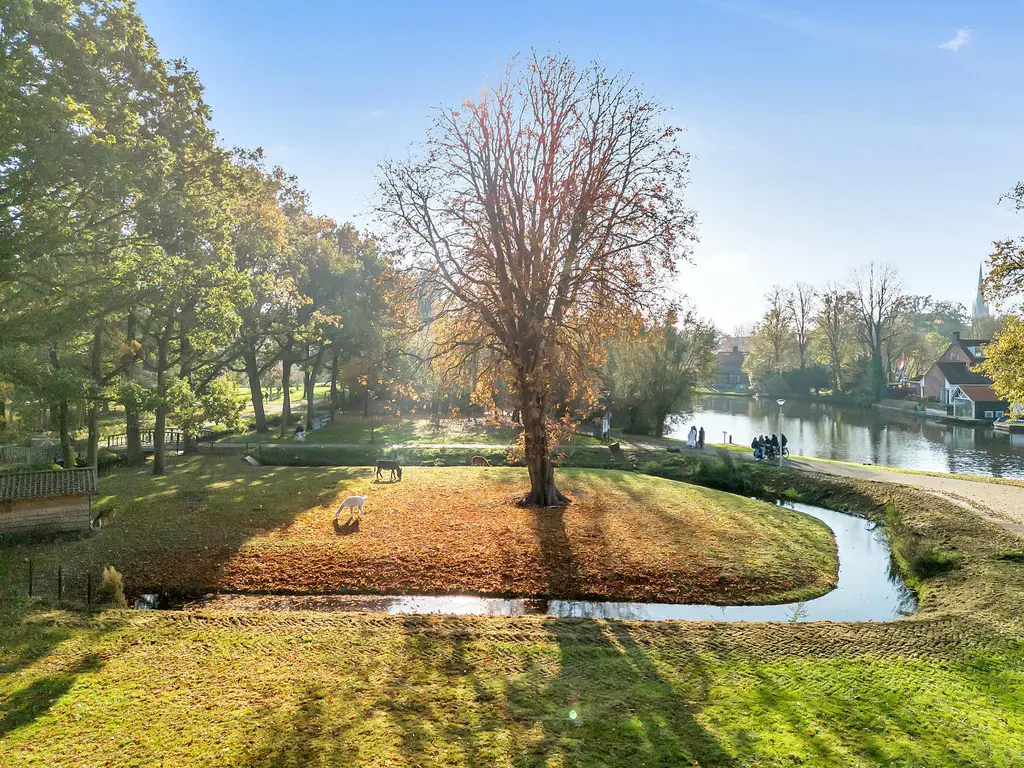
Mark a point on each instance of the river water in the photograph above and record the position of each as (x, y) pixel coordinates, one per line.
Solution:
(860, 435)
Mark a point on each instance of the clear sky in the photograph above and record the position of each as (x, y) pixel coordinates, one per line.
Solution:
(824, 133)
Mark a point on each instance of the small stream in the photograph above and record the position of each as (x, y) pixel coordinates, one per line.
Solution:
(867, 590)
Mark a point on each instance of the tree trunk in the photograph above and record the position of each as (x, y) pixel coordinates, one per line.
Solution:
(93, 416)
(63, 413)
(252, 370)
(133, 456)
(543, 492)
(159, 428)
(334, 383)
(3, 414)
(67, 444)
(286, 386)
(310, 386)
(659, 424)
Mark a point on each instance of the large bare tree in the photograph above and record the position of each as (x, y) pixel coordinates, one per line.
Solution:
(802, 304)
(538, 215)
(879, 300)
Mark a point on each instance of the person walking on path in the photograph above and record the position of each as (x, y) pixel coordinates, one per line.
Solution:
(700, 438)
(691, 439)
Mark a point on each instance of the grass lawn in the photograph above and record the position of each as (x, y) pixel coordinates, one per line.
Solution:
(351, 429)
(215, 523)
(307, 689)
(942, 688)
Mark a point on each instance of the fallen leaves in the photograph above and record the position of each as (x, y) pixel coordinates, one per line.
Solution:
(445, 531)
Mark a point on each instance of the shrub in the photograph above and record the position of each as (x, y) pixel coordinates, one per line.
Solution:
(107, 459)
(911, 552)
(112, 588)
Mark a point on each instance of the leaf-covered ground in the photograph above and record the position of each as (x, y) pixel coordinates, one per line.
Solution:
(218, 524)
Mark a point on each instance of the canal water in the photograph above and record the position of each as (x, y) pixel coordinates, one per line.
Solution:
(867, 590)
(860, 435)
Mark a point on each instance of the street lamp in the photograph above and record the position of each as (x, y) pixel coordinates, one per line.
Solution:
(781, 401)
(372, 397)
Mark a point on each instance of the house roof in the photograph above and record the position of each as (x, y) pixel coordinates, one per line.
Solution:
(56, 482)
(967, 344)
(981, 394)
(961, 373)
(730, 361)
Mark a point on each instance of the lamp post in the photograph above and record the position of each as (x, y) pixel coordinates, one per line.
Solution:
(372, 397)
(781, 401)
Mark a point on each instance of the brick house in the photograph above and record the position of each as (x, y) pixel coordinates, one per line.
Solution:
(730, 373)
(961, 390)
(953, 368)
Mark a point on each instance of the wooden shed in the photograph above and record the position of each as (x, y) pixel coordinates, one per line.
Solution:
(46, 502)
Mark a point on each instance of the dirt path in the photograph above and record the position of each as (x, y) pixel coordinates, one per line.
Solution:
(1001, 504)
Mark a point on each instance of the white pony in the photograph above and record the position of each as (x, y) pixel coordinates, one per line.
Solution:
(351, 503)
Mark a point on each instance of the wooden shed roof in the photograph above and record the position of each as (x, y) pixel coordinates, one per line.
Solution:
(55, 482)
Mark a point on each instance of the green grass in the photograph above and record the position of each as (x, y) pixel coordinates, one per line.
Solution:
(353, 429)
(942, 688)
(306, 689)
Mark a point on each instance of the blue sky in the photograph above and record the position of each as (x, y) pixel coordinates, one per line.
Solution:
(824, 134)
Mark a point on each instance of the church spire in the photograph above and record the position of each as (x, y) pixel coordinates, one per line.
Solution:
(980, 308)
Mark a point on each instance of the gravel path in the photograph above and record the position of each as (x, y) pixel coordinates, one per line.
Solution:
(1001, 504)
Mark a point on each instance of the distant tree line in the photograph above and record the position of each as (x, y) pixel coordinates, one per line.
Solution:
(852, 338)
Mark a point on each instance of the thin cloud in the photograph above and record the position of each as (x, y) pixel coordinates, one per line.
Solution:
(960, 39)
(839, 34)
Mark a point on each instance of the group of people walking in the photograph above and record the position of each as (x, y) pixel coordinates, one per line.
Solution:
(696, 437)
(768, 447)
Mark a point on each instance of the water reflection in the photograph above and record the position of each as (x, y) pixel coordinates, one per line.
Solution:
(867, 591)
(860, 435)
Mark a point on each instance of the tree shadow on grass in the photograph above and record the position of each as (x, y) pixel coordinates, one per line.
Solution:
(312, 733)
(34, 700)
(567, 691)
(178, 533)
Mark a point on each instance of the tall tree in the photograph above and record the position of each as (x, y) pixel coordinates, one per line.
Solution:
(657, 372)
(879, 301)
(802, 305)
(772, 345)
(834, 331)
(1004, 361)
(1006, 263)
(538, 214)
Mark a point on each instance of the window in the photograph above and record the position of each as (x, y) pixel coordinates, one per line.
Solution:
(989, 415)
(1000, 414)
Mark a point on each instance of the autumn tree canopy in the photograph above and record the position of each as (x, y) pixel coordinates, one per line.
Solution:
(1005, 282)
(536, 217)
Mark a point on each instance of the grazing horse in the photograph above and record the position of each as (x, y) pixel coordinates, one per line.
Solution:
(394, 466)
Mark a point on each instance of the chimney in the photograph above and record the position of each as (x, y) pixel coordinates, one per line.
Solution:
(735, 347)
(956, 337)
